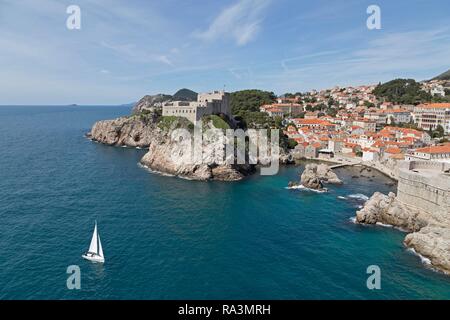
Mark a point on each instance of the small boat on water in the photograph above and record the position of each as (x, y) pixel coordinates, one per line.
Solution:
(95, 252)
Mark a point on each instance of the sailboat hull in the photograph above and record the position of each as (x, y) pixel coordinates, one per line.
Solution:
(93, 258)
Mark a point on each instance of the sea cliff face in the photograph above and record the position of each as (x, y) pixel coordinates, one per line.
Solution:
(143, 131)
(126, 131)
(429, 233)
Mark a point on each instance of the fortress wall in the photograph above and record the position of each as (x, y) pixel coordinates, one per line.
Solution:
(429, 193)
(429, 165)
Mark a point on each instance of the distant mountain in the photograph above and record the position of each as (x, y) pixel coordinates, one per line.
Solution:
(443, 76)
(149, 101)
(185, 95)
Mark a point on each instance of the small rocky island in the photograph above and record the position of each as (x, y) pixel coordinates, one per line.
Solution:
(421, 208)
(315, 176)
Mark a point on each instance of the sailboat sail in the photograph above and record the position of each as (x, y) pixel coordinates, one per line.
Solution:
(100, 249)
(93, 247)
(95, 252)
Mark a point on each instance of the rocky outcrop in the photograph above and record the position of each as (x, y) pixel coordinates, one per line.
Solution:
(135, 131)
(315, 175)
(143, 130)
(168, 156)
(432, 242)
(386, 209)
(150, 102)
(429, 232)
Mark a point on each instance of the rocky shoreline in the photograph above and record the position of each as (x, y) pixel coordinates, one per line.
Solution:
(428, 233)
(144, 131)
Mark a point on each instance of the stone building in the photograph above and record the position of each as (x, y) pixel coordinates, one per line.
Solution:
(430, 115)
(217, 102)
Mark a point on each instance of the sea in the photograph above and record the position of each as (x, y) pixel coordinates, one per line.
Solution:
(170, 238)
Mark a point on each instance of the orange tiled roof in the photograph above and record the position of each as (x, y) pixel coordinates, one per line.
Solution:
(435, 105)
(393, 150)
(435, 149)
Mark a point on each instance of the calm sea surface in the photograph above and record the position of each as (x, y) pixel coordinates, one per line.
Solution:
(168, 238)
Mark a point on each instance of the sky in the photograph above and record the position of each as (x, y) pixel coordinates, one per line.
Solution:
(127, 49)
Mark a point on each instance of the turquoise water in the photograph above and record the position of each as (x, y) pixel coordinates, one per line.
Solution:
(167, 238)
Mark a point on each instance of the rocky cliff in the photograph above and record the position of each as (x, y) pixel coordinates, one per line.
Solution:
(429, 232)
(149, 102)
(134, 131)
(148, 130)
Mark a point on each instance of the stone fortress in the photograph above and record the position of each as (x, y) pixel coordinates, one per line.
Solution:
(425, 185)
(216, 102)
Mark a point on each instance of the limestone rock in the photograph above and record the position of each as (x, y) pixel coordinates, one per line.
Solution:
(314, 175)
(164, 154)
(327, 175)
(388, 210)
(432, 242)
(430, 232)
(124, 131)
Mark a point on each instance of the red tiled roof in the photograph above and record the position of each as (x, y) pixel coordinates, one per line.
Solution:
(435, 149)
(435, 105)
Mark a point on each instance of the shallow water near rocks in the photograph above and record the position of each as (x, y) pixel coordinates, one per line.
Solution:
(169, 238)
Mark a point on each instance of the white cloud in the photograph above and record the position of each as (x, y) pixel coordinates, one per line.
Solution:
(131, 52)
(417, 54)
(241, 21)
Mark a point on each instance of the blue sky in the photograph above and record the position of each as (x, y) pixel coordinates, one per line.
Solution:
(126, 49)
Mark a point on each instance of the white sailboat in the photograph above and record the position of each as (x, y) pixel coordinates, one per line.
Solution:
(95, 252)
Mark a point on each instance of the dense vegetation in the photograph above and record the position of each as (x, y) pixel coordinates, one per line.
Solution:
(403, 91)
(250, 100)
(245, 106)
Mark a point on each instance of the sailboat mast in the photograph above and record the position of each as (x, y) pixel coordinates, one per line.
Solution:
(97, 237)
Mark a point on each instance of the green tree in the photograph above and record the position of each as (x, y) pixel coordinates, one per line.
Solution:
(404, 91)
(278, 121)
(245, 106)
(439, 132)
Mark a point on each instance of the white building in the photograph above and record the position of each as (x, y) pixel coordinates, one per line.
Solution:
(439, 153)
(398, 116)
(438, 91)
(430, 115)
